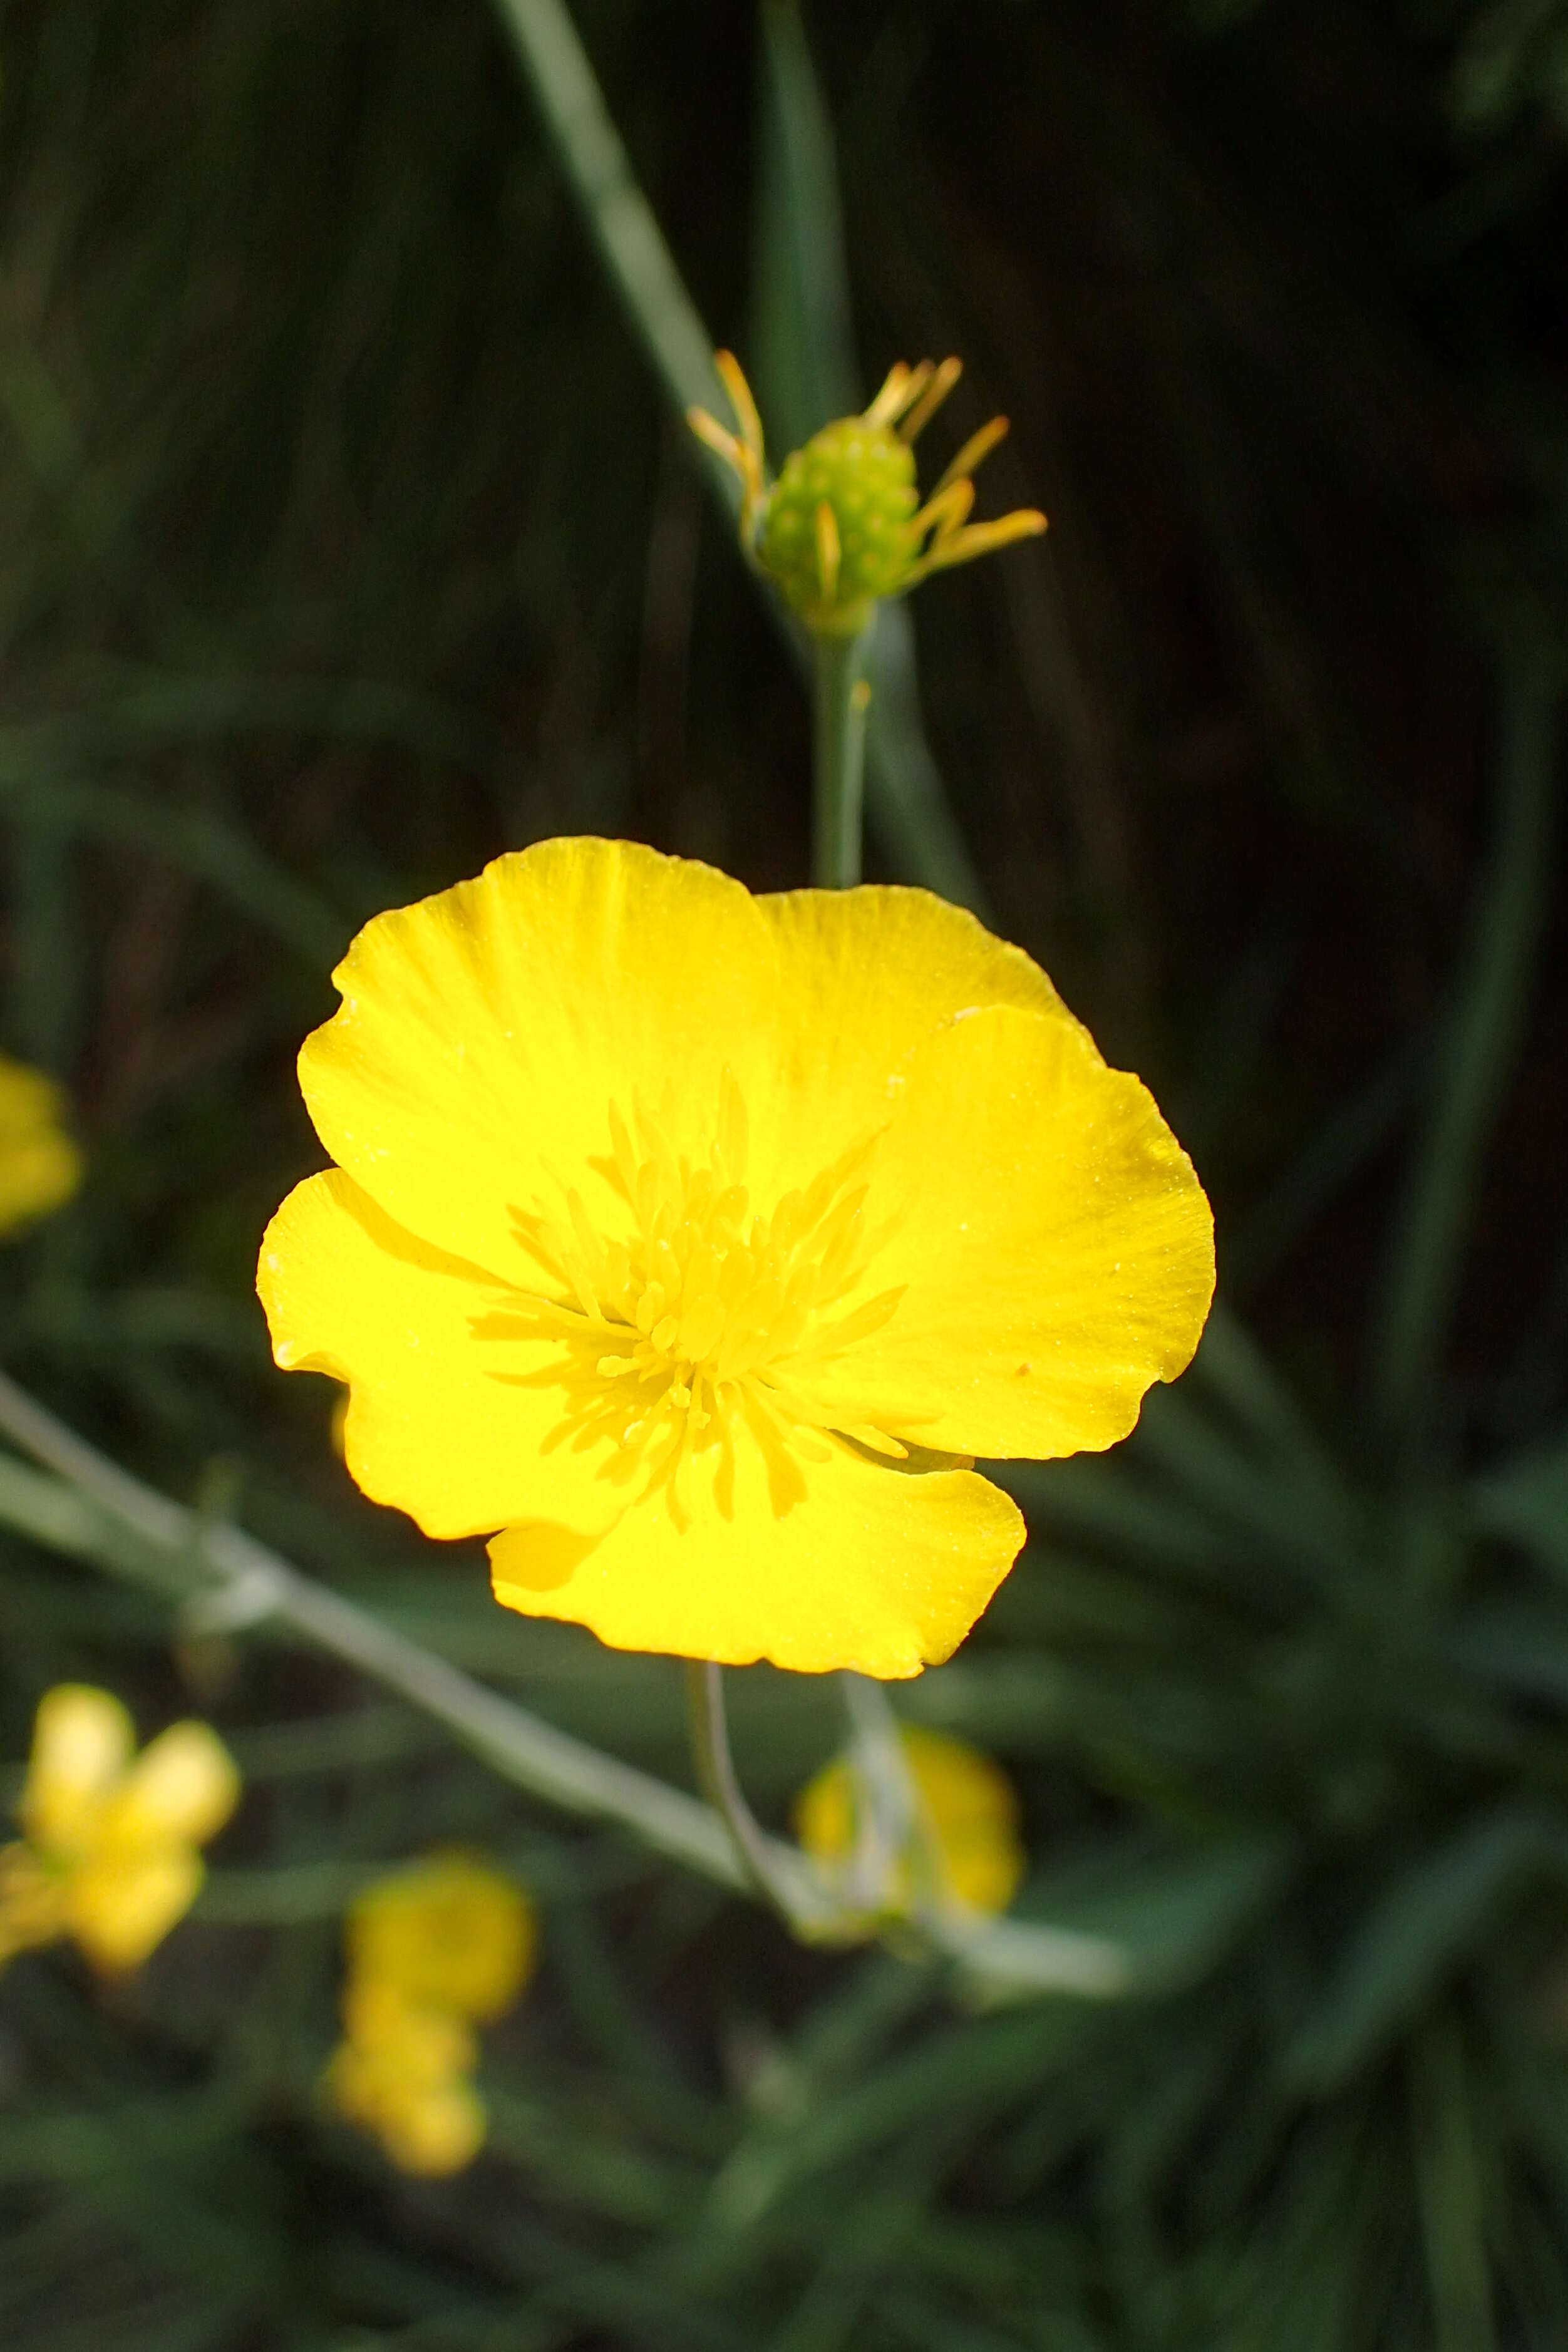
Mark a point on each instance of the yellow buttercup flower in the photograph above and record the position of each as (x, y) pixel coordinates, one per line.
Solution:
(844, 524)
(449, 1931)
(969, 1811)
(402, 2072)
(690, 1245)
(110, 1848)
(41, 1167)
(432, 1951)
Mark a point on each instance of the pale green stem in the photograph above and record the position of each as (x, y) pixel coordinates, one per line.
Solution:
(911, 805)
(892, 1822)
(1474, 1062)
(231, 1582)
(799, 1902)
(618, 216)
(840, 697)
(227, 1581)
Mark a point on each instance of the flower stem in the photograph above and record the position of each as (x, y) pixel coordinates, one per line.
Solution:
(840, 697)
(619, 219)
(228, 1582)
(893, 1825)
(911, 805)
(788, 1894)
(92, 1510)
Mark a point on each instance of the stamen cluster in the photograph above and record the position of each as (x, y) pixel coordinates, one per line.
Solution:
(708, 1313)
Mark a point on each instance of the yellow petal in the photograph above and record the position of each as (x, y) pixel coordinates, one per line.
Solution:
(975, 1812)
(401, 2074)
(1054, 1249)
(866, 977)
(41, 1167)
(485, 1031)
(82, 1740)
(120, 1908)
(449, 1931)
(404, 2040)
(458, 1412)
(32, 1901)
(438, 2131)
(879, 1569)
(181, 1789)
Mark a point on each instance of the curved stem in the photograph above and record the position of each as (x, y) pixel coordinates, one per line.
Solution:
(229, 1582)
(94, 1511)
(764, 1862)
(840, 699)
(619, 219)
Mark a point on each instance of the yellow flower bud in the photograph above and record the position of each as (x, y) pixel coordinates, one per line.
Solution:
(41, 1167)
(402, 2074)
(449, 1931)
(970, 1814)
(431, 1951)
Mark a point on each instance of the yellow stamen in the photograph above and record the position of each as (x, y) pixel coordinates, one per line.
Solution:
(711, 1310)
(941, 384)
(946, 510)
(828, 552)
(978, 539)
(741, 400)
(743, 453)
(975, 452)
(901, 386)
(725, 444)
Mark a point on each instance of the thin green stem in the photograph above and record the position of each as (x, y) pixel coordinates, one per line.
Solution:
(619, 216)
(231, 1582)
(805, 1910)
(911, 805)
(893, 1826)
(840, 699)
(221, 1577)
(1491, 1000)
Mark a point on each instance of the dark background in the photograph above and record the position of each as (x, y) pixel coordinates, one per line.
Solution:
(343, 545)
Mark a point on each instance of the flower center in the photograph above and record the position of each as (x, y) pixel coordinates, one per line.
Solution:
(707, 1314)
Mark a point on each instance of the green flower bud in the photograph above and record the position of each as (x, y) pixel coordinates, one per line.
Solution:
(843, 524)
(838, 528)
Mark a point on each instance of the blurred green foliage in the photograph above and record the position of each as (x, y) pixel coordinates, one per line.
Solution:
(343, 545)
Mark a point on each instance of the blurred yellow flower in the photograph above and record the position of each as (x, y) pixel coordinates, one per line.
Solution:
(449, 1931)
(402, 2072)
(844, 525)
(109, 1852)
(432, 1950)
(41, 1167)
(970, 1814)
(696, 1241)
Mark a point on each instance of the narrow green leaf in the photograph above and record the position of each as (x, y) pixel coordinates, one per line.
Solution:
(1448, 2180)
(802, 351)
(1526, 1502)
(1174, 1914)
(1423, 1927)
